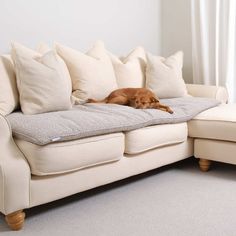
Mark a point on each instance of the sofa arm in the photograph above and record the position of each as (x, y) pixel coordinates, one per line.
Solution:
(217, 92)
(14, 173)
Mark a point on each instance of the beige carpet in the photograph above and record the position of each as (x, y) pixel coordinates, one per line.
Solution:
(175, 200)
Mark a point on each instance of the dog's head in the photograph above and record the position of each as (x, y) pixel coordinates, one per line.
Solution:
(143, 102)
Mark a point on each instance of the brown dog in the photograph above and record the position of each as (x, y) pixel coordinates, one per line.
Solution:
(139, 98)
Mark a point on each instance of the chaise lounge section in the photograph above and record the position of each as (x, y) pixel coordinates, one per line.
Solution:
(214, 135)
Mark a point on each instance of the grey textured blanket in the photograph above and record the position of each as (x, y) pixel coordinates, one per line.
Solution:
(96, 119)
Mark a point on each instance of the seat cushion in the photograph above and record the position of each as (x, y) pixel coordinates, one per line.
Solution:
(69, 156)
(147, 138)
(217, 123)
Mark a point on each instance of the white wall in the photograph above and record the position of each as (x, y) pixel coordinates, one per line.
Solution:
(161, 26)
(122, 24)
(176, 32)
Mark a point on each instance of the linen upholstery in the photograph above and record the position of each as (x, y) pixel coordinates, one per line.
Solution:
(215, 150)
(218, 92)
(216, 123)
(214, 133)
(9, 97)
(58, 158)
(44, 48)
(42, 82)
(130, 70)
(59, 186)
(19, 189)
(164, 76)
(151, 137)
(14, 173)
(92, 73)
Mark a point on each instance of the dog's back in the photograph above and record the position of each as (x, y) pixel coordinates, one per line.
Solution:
(140, 98)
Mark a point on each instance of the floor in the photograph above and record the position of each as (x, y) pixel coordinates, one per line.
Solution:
(174, 200)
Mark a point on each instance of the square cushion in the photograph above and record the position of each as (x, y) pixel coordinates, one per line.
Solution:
(164, 76)
(69, 156)
(43, 81)
(130, 70)
(9, 97)
(92, 73)
(151, 137)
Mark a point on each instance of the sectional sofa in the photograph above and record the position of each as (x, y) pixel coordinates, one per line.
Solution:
(31, 174)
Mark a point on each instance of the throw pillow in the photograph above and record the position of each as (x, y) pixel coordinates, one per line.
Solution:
(44, 48)
(164, 76)
(9, 97)
(130, 70)
(41, 81)
(92, 73)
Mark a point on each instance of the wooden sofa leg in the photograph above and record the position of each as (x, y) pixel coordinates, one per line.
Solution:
(15, 220)
(204, 164)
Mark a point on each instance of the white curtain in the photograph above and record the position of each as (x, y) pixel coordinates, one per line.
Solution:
(214, 43)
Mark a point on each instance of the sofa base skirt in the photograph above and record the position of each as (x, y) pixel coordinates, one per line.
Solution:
(215, 150)
(47, 189)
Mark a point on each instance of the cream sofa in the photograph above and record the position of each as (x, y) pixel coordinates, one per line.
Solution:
(86, 163)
